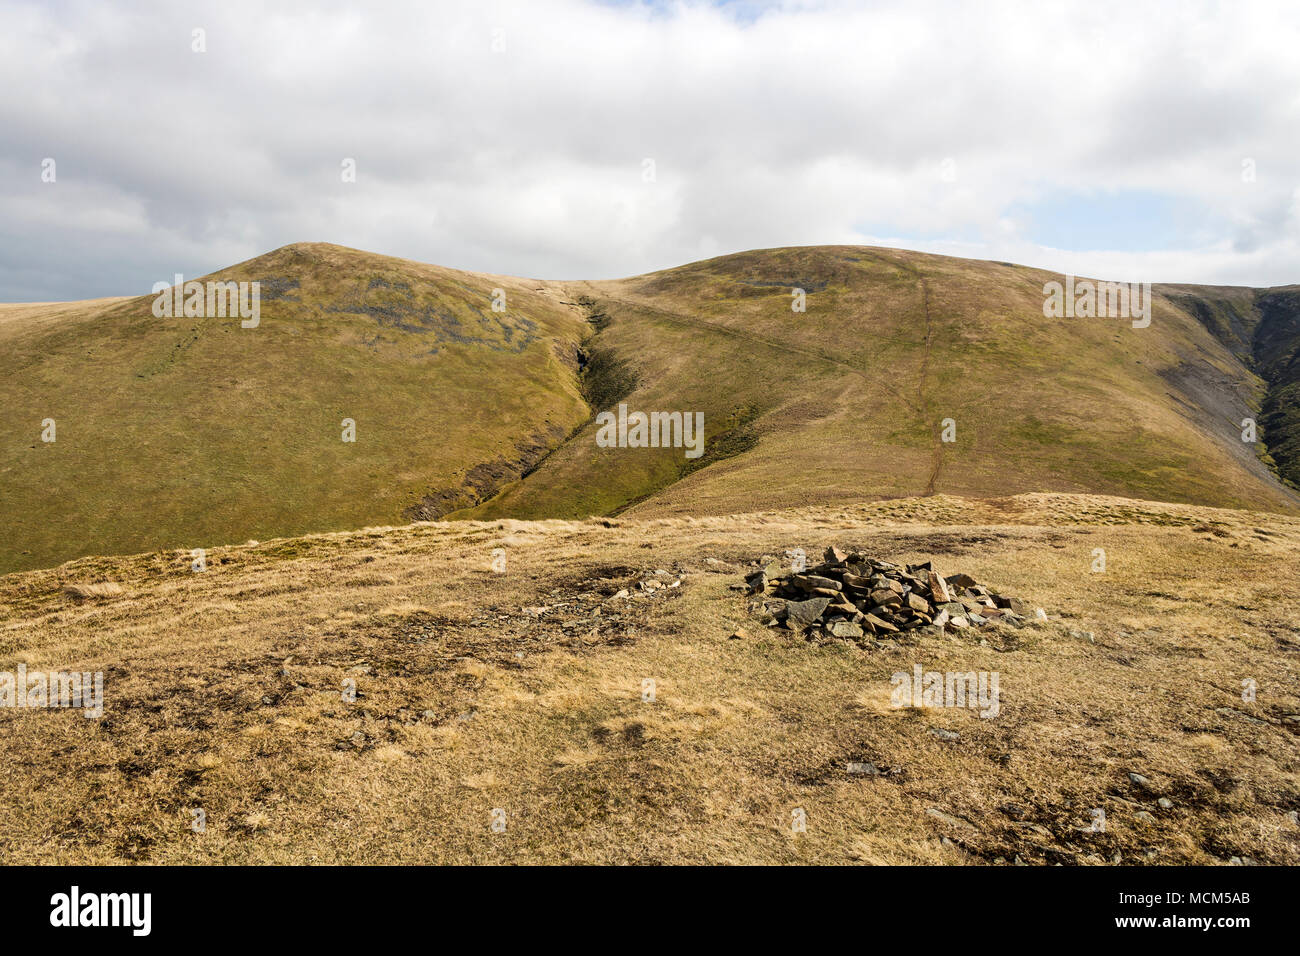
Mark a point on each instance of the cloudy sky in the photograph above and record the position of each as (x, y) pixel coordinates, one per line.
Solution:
(583, 139)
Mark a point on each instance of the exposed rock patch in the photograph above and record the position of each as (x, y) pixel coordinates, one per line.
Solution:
(851, 596)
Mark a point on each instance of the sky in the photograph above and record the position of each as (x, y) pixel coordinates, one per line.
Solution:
(572, 139)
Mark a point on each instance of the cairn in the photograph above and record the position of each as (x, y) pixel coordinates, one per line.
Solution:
(854, 597)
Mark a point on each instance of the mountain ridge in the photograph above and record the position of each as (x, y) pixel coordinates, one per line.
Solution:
(192, 432)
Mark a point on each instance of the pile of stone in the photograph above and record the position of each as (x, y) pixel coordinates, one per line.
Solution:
(852, 596)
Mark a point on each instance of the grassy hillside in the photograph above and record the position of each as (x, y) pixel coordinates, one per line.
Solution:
(847, 400)
(189, 433)
(175, 432)
(522, 691)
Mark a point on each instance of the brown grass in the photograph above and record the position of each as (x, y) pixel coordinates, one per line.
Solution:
(224, 691)
(85, 592)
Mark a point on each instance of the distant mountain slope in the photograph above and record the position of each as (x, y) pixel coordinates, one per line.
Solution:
(1262, 328)
(189, 432)
(848, 400)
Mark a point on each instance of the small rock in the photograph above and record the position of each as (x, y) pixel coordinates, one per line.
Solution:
(805, 613)
(1165, 803)
(1144, 816)
(943, 734)
(812, 582)
(1014, 605)
(1140, 780)
(739, 635)
(949, 819)
(878, 625)
(845, 629)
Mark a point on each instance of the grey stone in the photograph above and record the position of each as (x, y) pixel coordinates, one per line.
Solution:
(805, 613)
(845, 629)
(950, 819)
(811, 582)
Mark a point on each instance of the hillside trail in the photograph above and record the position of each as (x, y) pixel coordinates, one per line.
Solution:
(936, 454)
(919, 407)
(678, 318)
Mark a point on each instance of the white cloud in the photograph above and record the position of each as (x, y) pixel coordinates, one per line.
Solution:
(810, 123)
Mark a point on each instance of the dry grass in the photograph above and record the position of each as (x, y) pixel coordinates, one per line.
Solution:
(85, 592)
(224, 691)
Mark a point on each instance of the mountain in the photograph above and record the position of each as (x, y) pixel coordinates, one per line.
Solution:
(848, 400)
(175, 432)
(192, 432)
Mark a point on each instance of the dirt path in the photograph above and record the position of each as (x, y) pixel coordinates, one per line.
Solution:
(936, 455)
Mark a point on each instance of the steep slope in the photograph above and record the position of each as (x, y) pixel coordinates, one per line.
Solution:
(191, 432)
(1262, 328)
(1277, 355)
(849, 399)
